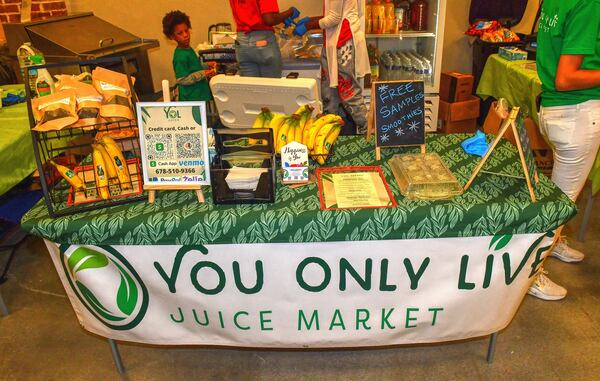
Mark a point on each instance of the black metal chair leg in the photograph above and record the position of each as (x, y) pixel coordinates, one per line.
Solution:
(3, 309)
(114, 349)
(492, 348)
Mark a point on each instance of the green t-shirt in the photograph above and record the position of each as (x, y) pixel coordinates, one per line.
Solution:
(186, 62)
(567, 27)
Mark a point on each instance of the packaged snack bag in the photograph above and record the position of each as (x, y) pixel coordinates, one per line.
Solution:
(116, 93)
(89, 100)
(55, 111)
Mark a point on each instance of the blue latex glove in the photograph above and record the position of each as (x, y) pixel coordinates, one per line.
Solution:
(290, 20)
(476, 145)
(300, 29)
(12, 99)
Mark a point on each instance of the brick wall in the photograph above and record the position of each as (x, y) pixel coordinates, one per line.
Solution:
(10, 10)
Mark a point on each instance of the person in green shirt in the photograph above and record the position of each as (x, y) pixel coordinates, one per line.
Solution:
(192, 76)
(568, 63)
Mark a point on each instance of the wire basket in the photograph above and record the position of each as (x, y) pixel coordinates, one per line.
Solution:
(76, 144)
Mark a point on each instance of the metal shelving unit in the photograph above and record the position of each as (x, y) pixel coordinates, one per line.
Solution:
(426, 43)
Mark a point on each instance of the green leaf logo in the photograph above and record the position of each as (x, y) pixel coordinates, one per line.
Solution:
(106, 284)
(500, 241)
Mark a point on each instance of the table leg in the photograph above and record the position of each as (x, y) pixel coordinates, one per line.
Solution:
(3, 309)
(586, 216)
(492, 348)
(116, 356)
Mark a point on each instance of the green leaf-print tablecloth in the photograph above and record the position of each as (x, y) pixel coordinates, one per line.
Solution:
(493, 205)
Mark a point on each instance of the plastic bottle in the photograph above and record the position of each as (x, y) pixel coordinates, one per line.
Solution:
(405, 6)
(390, 17)
(418, 15)
(399, 13)
(24, 54)
(378, 17)
(368, 18)
(44, 84)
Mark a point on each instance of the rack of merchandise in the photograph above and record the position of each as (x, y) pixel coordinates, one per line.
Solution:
(427, 45)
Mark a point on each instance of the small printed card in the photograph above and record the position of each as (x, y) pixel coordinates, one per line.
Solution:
(294, 163)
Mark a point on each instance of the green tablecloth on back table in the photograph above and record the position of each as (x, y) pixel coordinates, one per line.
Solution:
(17, 159)
(515, 81)
(493, 205)
(520, 85)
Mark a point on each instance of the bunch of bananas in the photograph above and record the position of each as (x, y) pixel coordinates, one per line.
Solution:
(318, 134)
(109, 163)
(68, 174)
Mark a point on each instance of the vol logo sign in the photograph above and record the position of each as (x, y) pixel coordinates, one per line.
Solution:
(106, 284)
(172, 113)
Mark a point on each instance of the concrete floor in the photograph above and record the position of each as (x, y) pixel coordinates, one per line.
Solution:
(41, 339)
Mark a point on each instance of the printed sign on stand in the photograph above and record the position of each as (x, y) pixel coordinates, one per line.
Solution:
(174, 146)
(294, 163)
(397, 114)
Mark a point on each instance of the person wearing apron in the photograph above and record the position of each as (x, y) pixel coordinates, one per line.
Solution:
(344, 60)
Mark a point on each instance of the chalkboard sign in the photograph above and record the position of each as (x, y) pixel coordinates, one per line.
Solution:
(399, 113)
(526, 148)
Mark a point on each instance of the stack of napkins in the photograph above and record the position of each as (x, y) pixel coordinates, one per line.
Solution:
(244, 178)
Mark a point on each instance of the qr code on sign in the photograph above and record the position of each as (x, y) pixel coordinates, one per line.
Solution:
(160, 146)
(189, 146)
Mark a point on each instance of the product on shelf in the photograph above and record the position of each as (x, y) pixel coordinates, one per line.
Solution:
(391, 26)
(404, 65)
(377, 17)
(69, 175)
(55, 111)
(368, 18)
(117, 160)
(402, 14)
(116, 92)
(418, 15)
(373, 61)
(89, 100)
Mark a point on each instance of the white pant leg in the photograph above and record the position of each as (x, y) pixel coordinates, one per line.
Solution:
(574, 133)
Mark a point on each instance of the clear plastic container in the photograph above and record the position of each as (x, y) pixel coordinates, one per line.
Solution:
(424, 177)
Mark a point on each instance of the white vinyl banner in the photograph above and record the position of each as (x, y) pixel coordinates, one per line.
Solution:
(308, 295)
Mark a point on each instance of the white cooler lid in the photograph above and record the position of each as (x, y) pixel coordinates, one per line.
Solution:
(240, 99)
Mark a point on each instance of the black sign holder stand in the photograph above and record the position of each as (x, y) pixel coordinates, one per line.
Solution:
(509, 123)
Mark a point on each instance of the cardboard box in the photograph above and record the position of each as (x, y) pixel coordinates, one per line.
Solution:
(456, 87)
(461, 126)
(457, 111)
(512, 53)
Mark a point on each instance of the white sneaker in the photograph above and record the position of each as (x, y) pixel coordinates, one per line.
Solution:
(565, 253)
(546, 289)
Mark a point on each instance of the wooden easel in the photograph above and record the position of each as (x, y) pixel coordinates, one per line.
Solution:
(371, 126)
(153, 188)
(509, 123)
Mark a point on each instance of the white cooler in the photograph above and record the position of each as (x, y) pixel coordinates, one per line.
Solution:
(240, 99)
